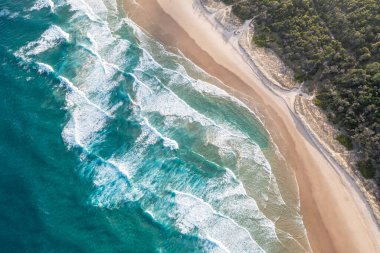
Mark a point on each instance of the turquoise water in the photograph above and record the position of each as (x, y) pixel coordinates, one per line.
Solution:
(111, 143)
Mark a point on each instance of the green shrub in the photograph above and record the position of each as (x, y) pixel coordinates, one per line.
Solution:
(317, 102)
(299, 76)
(345, 141)
(228, 1)
(260, 40)
(367, 169)
(320, 100)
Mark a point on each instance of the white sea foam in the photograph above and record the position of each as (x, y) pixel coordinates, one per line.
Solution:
(105, 43)
(40, 4)
(197, 84)
(81, 129)
(4, 13)
(80, 97)
(217, 208)
(44, 68)
(192, 213)
(112, 188)
(172, 144)
(87, 120)
(49, 39)
(93, 9)
(111, 4)
(7, 14)
(227, 139)
(150, 214)
(221, 135)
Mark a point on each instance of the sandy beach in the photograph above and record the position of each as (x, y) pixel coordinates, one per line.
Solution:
(335, 213)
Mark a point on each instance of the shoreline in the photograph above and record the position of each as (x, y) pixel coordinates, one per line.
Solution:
(335, 214)
(269, 72)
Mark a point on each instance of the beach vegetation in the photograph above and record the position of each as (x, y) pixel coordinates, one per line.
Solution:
(367, 169)
(345, 141)
(333, 46)
(260, 41)
(318, 102)
(320, 99)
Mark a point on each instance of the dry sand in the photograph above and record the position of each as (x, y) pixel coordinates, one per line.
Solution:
(335, 213)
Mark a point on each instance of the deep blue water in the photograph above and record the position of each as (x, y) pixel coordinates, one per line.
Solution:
(111, 143)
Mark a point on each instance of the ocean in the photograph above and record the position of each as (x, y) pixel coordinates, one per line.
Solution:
(110, 142)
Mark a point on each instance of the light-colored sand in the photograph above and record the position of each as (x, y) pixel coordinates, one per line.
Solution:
(335, 213)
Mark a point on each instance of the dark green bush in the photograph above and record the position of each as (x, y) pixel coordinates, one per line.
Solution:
(260, 41)
(345, 141)
(366, 168)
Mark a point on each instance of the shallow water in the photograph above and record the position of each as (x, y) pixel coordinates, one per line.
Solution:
(110, 142)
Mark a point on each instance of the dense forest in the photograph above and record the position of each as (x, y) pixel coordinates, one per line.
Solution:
(334, 47)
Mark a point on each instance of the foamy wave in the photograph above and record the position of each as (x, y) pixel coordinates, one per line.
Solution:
(40, 4)
(96, 82)
(87, 120)
(193, 214)
(229, 140)
(209, 201)
(79, 96)
(180, 72)
(154, 96)
(170, 143)
(81, 129)
(112, 188)
(111, 181)
(93, 9)
(170, 105)
(44, 68)
(49, 39)
(103, 41)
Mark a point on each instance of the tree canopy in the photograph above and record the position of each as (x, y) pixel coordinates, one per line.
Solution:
(334, 46)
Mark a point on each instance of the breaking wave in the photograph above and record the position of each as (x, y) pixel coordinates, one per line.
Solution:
(150, 127)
